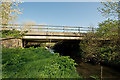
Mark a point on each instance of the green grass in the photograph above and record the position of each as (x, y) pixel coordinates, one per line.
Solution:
(36, 63)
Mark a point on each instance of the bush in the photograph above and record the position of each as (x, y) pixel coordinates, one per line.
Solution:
(12, 33)
(105, 50)
(36, 63)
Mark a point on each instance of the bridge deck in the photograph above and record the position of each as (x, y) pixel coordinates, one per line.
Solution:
(54, 35)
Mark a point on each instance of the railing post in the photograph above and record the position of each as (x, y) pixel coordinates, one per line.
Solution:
(63, 29)
(31, 28)
(79, 29)
(39, 28)
(47, 31)
(92, 29)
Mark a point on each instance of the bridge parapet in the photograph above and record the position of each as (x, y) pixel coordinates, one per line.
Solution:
(51, 32)
(48, 28)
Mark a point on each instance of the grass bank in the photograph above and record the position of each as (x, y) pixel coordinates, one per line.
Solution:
(36, 63)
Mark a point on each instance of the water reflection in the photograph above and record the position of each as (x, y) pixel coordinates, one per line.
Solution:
(88, 69)
(49, 49)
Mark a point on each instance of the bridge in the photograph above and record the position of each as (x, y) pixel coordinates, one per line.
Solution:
(50, 33)
(40, 32)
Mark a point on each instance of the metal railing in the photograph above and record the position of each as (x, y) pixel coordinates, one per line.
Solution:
(48, 28)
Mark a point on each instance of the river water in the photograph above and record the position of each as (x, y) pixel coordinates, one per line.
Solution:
(88, 69)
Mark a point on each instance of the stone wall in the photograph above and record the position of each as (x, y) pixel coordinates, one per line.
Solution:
(11, 42)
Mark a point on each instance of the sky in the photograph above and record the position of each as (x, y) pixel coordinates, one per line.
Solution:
(61, 13)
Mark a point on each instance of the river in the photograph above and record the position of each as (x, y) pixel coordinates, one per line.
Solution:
(88, 69)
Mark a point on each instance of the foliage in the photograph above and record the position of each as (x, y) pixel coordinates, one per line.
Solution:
(89, 47)
(12, 33)
(95, 77)
(9, 11)
(108, 28)
(110, 50)
(36, 63)
(110, 8)
(102, 46)
(108, 53)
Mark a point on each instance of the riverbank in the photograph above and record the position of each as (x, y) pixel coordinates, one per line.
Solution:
(36, 63)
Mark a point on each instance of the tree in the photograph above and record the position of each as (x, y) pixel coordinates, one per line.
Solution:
(108, 28)
(110, 8)
(105, 50)
(9, 11)
(96, 47)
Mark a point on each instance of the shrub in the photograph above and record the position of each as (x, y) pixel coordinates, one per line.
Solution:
(103, 46)
(12, 33)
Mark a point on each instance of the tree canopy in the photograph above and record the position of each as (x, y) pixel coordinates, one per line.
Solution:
(9, 11)
(110, 9)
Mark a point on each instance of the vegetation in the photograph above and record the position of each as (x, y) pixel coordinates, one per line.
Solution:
(39, 63)
(108, 28)
(95, 77)
(103, 46)
(36, 63)
(9, 11)
(110, 9)
(12, 33)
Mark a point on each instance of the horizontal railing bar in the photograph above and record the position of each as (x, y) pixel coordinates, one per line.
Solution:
(46, 25)
(60, 29)
(44, 29)
(48, 28)
(56, 28)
